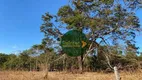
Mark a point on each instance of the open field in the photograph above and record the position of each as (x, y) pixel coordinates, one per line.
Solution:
(23, 75)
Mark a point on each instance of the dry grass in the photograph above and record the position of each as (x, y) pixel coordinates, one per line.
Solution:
(23, 75)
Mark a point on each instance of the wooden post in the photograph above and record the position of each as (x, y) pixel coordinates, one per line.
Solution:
(117, 76)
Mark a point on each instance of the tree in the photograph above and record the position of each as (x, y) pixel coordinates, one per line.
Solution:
(24, 60)
(47, 54)
(12, 63)
(3, 59)
(108, 20)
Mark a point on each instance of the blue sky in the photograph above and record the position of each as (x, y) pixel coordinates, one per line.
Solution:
(20, 22)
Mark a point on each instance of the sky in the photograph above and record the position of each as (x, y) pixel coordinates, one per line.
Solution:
(20, 22)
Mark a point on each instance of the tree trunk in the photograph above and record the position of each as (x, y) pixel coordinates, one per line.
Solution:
(36, 64)
(65, 64)
(46, 72)
(30, 64)
(80, 61)
(46, 66)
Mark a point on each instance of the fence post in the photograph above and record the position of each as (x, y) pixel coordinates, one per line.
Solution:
(117, 76)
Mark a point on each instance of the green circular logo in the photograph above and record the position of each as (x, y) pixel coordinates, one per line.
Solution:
(74, 43)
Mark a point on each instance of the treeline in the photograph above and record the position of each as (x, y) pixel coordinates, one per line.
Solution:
(37, 60)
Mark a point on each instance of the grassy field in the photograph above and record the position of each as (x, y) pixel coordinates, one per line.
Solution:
(23, 75)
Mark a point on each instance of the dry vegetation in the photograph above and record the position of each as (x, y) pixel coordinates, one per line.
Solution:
(11, 75)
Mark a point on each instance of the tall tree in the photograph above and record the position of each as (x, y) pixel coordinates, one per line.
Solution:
(108, 20)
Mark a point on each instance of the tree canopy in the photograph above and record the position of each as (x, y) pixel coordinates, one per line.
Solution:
(110, 20)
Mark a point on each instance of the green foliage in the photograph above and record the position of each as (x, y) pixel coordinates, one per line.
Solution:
(3, 59)
(12, 63)
(103, 17)
(93, 62)
(114, 21)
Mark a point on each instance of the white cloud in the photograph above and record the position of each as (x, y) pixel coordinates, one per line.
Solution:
(15, 47)
(16, 52)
